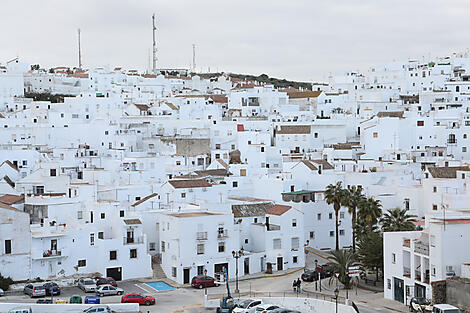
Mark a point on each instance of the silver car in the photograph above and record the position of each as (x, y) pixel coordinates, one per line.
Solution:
(96, 309)
(87, 284)
(35, 290)
(108, 290)
(2, 293)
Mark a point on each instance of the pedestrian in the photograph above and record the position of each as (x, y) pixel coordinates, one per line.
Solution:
(298, 285)
(294, 285)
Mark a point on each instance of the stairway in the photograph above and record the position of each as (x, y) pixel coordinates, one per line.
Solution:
(158, 272)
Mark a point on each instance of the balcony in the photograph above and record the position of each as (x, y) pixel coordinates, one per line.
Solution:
(418, 275)
(421, 248)
(201, 235)
(47, 254)
(406, 243)
(133, 240)
(222, 234)
(407, 272)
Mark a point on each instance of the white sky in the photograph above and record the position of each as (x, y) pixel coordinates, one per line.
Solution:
(295, 39)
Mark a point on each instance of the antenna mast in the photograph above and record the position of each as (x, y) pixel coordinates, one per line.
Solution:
(154, 29)
(79, 51)
(194, 58)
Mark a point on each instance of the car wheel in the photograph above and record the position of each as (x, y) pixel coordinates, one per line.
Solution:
(120, 293)
(101, 295)
(411, 309)
(147, 302)
(200, 287)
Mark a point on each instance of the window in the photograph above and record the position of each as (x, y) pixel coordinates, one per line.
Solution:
(217, 146)
(294, 222)
(375, 134)
(420, 123)
(173, 271)
(295, 243)
(183, 195)
(294, 259)
(234, 184)
(133, 253)
(221, 247)
(332, 233)
(434, 207)
(200, 248)
(262, 149)
(434, 189)
(103, 215)
(113, 255)
(341, 232)
(81, 263)
(242, 172)
(79, 215)
(163, 246)
(341, 214)
(53, 172)
(92, 239)
(464, 149)
(121, 213)
(312, 235)
(394, 258)
(8, 246)
(389, 284)
(151, 246)
(246, 241)
(330, 216)
(319, 216)
(101, 235)
(316, 135)
(433, 271)
(277, 243)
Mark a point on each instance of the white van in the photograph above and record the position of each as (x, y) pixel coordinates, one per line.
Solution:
(20, 310)
(445, 308)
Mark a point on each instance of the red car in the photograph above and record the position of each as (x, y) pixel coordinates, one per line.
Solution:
(138, 298)
(106, 281)
(202, 281)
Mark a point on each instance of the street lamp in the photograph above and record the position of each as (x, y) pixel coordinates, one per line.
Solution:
(237, 255)
(316, 271)
(336, 298)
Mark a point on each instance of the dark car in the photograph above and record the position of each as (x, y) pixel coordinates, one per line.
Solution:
(309, 275)
(106, 281)
(44, 301)
(326, 271)
(282, 310)
(202, 281)
(138, 298)
(52, 289)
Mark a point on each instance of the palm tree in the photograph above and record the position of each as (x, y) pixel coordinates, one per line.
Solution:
(370, 210)
(335, 195)
(340, 261)
(397, 220)
(353, 197)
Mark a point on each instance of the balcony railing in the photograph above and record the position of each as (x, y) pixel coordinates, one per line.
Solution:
(51, 253)
(406, 243)
(221, 234)
(201, 235)
(407, 272)
(417, 275)
(133, 240)
(422, 248)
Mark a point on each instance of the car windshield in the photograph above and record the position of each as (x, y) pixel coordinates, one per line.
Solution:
(38, 287)
(452, 311)
(421, 300)
(88, 282)
(244, 304)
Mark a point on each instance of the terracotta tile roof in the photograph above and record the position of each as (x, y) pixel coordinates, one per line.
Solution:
(78, 75)
(171, 106)
(447, 172)
(9, 181)
(346, 145)
(398, 114)
(189, 183)
(324, 163)
(309, 165)
(222, 162)
(219, 99)
(11, 199)
(133, 221)
(142, 107)
(144, 199)
(8, 207)
(303, 94)
(278, 209)
(10, 164)
(149, 76)
(251, 209)
(294, 129)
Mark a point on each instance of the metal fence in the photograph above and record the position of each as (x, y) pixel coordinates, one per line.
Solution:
(280, 294)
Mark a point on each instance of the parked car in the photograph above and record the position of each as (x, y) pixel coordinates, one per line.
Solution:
(445, 308)
(284, 310)
(202, 281)
(44, 301)
(138, 298)
(245, 305)
(34, 290)
(2, 293)
(60, 301)
(309, 275)
(76, 299)
(106, 281)
(418, 304)
(96, 309)
(87, 284)
(108, 290)
(92, 300)
(21, 310)
(52, 289)
(263, 308)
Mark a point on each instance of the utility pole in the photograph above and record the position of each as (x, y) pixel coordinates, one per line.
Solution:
(79, 51)
(154, 30)
(194, 58)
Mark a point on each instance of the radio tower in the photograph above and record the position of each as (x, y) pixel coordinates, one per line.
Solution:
(154, 51)
(79, 51)
(194, 58)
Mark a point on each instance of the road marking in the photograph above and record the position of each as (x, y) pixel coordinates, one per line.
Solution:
(146, 290)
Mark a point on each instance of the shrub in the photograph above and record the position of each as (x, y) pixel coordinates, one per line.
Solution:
(5, 282)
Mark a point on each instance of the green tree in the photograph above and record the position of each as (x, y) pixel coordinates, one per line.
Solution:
(369, 210)
(335, 195)
(370, 252)
(340, 261)
(397, 220)
(5, 282)
(353, 197)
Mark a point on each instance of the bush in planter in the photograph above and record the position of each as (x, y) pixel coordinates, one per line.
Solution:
(5, 282)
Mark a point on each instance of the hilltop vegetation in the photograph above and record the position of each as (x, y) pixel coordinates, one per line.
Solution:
(277, 82)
